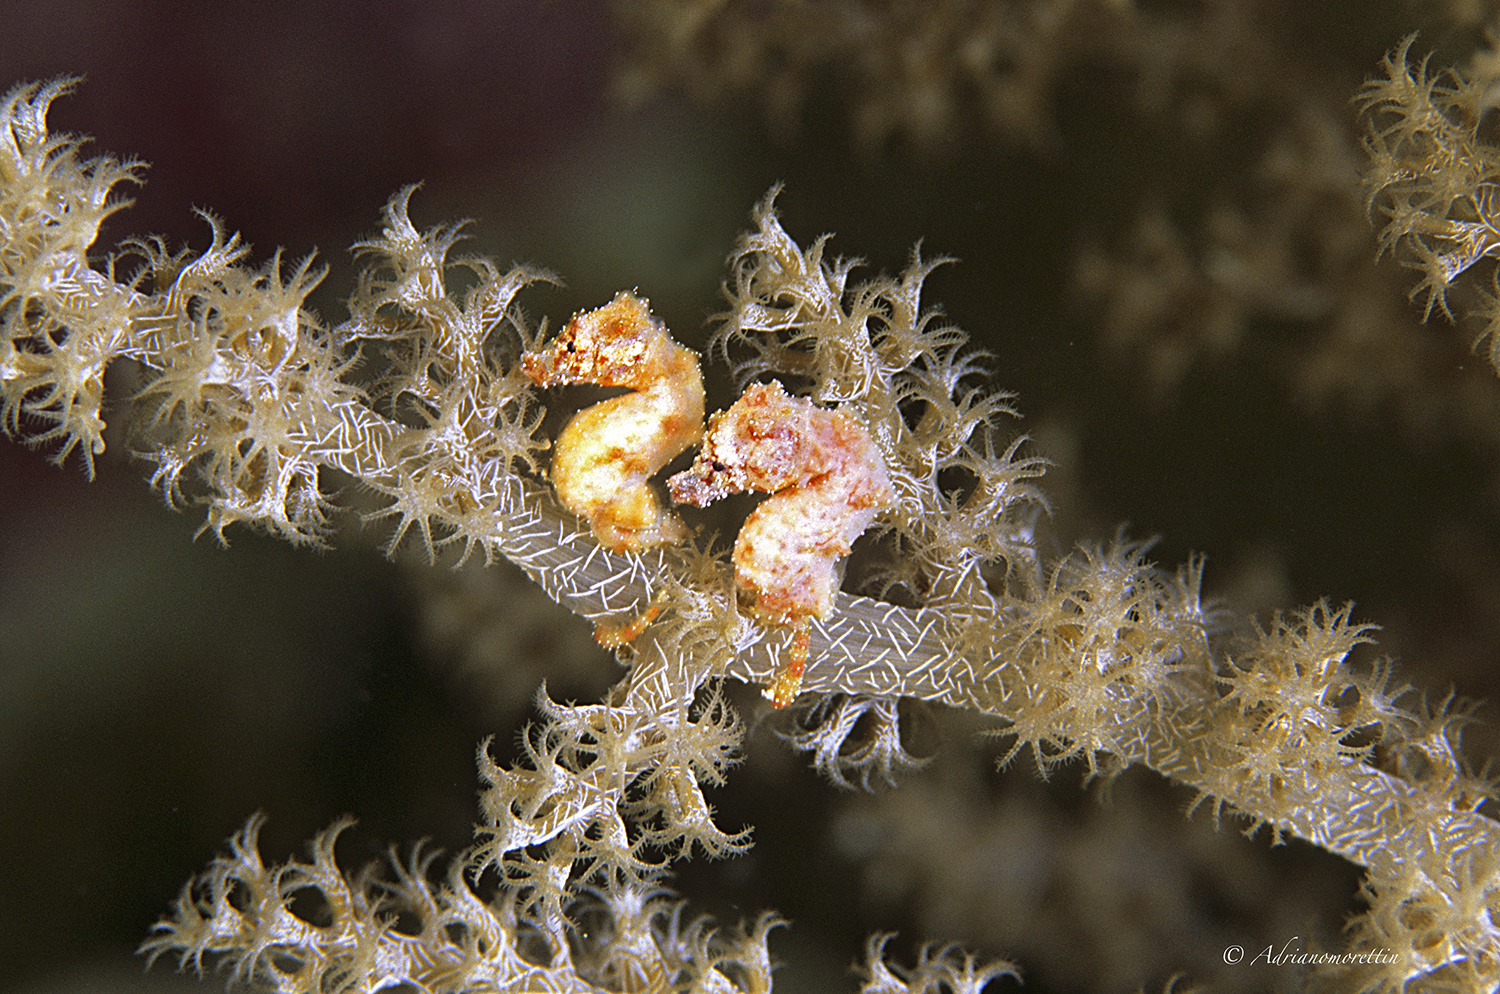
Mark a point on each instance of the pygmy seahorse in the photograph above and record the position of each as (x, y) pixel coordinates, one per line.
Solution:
(604, 457)
(828, 480)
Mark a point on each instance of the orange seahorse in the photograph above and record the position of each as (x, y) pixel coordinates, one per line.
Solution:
(828, 481)
(604, 458)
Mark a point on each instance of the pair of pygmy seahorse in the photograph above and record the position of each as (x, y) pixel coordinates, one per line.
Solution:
(826, 476)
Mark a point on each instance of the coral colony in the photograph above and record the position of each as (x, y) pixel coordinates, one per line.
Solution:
(856, 401)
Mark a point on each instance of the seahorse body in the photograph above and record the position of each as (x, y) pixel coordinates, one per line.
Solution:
(827, 479)
(605, 456)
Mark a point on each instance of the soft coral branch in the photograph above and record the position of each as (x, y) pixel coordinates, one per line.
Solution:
(1101, 657)
(1434, 178)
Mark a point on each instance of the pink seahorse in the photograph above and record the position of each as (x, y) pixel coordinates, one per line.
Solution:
(828, 481)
